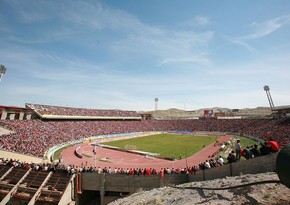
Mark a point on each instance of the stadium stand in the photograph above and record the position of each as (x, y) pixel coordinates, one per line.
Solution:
(35, 136)
(57, 112)
(32, 183)
(47, 183)
(54, 188)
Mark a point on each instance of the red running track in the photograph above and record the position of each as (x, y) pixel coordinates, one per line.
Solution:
(117, 159)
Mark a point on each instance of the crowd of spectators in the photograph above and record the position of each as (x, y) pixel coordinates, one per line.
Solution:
(35, 166)
(34, 137)
(69, 111)
(253, 151)
(72, 169)
(248, 152)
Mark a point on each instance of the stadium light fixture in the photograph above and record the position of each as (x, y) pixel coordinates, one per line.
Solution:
(2, 71)
(267, 89)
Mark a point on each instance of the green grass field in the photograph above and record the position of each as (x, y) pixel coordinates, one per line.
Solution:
(167, 145)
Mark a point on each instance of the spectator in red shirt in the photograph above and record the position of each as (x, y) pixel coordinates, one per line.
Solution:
(273, 145)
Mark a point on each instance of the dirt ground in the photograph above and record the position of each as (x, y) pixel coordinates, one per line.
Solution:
(262, 194)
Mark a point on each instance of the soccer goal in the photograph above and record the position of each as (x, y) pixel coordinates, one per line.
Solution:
(130, 147)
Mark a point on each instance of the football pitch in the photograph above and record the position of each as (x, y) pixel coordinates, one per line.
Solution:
(167, 145)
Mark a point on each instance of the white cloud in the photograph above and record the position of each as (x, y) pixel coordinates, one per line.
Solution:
(168, 46)
(197, 21)
(202, 20)
(266, 28)
(165, 46)
(260, 30)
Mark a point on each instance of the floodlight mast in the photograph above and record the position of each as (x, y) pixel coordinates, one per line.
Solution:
(156, 104)
(267, 89)
(2, 71)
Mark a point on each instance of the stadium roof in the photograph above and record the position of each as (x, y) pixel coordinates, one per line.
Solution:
(14, 107)
(67, 117)
(282, 108)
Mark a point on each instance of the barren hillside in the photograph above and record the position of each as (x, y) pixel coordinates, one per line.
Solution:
(177, 113)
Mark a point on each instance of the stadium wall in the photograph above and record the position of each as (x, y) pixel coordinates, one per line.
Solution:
(68, 194)
(106, 184)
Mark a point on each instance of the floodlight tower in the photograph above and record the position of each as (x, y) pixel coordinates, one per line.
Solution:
(156, 104)
(267, 89)
(2, 71)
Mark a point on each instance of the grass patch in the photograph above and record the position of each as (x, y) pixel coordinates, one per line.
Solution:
(104, 160)
(87, 156)
(57, 154)
(167, 145)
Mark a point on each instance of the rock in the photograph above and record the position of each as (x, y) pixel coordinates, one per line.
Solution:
(262, 194)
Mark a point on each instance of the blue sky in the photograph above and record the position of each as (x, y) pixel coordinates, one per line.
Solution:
(116, 54)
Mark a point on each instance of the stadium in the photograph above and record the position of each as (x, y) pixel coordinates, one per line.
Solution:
(74, 156)
(79, 81)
